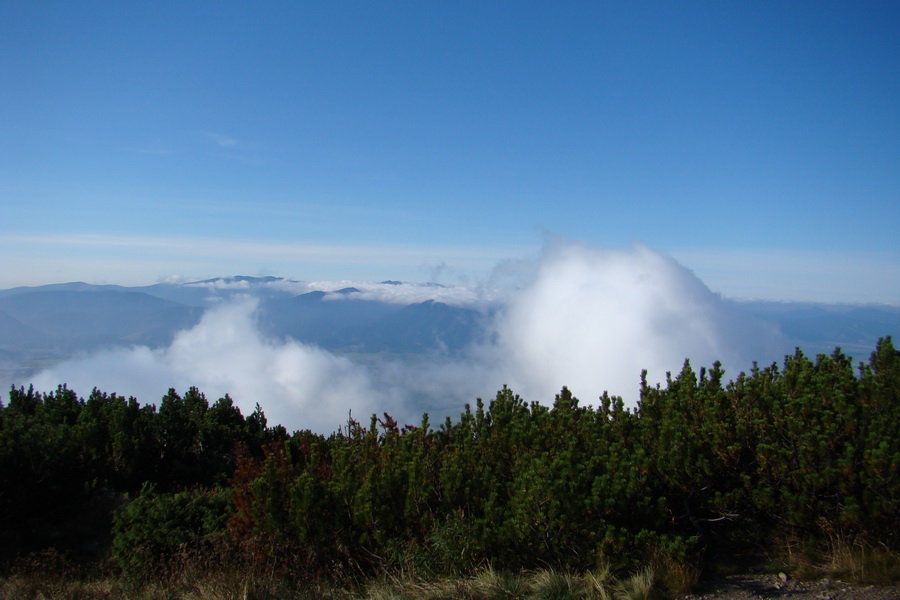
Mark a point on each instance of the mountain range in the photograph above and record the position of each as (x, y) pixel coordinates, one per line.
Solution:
(43, 325)
(40, 326)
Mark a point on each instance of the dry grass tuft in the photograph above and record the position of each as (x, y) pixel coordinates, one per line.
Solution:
(203, 578)
(677, 578)
(642, 585)
(551, 584)
(849, 558)
(600, 583)
(491, 584)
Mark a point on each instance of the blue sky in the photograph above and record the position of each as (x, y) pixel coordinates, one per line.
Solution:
(756, 142)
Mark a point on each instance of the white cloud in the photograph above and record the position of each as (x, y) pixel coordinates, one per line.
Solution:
(592, 319)
(410, 293)
(298, 386)
(220, 284)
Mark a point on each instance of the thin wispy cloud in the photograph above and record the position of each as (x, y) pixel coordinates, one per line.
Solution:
(226, 247)
(94, 257)
(221, 140)
(341, 213)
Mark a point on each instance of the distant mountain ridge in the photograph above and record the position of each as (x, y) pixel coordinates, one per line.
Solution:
(819, 328)
(41, 327)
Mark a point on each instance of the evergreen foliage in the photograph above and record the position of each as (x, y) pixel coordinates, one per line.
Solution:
(807, 450)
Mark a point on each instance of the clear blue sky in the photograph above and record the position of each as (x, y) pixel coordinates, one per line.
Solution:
(757, 142)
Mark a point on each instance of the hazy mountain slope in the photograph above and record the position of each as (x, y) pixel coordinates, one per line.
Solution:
(84, 320)
(336, 324)
(16, 334)
(428, 327)
(819, 328)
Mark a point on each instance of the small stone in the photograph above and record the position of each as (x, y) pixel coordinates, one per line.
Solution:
(783, 577)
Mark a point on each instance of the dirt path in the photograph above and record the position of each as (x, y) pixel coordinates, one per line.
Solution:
(746, 587)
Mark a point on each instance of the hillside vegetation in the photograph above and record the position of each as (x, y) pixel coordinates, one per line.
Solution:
(799, 460)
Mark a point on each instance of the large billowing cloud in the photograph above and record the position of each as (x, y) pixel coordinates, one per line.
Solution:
(592, 319)
(587, 318)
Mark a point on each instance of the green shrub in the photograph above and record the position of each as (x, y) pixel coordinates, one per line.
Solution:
(153, 528)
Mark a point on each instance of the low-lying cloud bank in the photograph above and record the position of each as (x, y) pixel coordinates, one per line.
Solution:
(297, 385)
(587, 318)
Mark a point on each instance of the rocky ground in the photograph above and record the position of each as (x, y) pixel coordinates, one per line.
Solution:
(753, 586)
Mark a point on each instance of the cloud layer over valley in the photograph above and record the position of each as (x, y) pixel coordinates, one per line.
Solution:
(584, 317)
